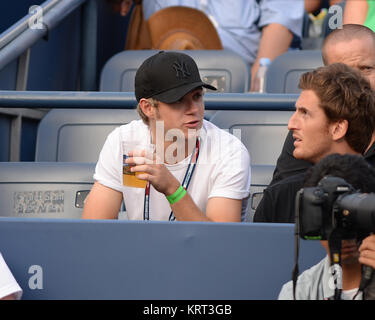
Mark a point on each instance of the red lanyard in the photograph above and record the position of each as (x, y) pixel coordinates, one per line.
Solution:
(185, 183)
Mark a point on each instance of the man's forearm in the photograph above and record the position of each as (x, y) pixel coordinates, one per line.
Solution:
(186, 210)
(102, 203)
(355, 12)
(275, 40)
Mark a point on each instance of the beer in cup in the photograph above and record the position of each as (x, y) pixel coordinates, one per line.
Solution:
(129, 178)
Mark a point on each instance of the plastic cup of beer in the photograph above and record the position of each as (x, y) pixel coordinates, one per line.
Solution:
(129, 178)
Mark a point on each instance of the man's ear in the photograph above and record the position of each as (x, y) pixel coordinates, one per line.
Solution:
(147, 108)
(339, 129)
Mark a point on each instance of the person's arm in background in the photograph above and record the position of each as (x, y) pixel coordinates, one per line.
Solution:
(355, 12)
(275, 40)
(312, 5)
(278, 22)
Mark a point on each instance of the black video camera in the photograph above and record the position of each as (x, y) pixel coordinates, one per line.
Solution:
(334, 204)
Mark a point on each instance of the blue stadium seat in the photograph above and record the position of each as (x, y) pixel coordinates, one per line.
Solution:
(44, 189)
(77, 134)
(152, 260)
(262, 132)
(58, 189)
(224, 69)
(285, 71)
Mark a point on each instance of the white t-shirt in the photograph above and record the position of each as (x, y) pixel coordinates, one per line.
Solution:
(349, 294)
(222, 170)
(8, 285)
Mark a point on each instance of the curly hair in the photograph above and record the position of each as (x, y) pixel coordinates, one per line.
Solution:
(354, 169)
(344, 94)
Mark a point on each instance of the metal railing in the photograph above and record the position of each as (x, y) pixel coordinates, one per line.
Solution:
(16, 41)
(20, 26)
(20, 37)
(126, 100)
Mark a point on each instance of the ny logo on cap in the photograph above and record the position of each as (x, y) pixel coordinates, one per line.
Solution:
(181, 70)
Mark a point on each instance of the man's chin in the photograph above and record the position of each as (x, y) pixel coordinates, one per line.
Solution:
(302, 156)
(298, 155)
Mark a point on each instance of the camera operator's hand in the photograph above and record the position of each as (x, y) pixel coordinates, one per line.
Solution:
(367, 251)
(367, 257)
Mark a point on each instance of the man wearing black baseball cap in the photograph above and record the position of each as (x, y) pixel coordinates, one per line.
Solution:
(198, 173)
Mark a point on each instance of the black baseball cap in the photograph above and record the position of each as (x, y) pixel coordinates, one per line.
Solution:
(167, 76)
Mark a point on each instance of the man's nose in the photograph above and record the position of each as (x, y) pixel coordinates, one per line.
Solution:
(292, 122)
(192, 106)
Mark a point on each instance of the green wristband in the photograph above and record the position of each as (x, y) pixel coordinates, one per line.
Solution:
(177, 195)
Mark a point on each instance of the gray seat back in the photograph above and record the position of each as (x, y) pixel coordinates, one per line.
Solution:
(77, 135)
(224, 69)
(44, 189)
(58, 189)
(262, 132)
(285, 71)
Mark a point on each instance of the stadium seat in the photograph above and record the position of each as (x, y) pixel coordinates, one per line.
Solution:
(224, 69)
(261, 176)
(77, 135)
(262, 132)
(284, 72)
(44, 189)
(152, 260)
(58, 189)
